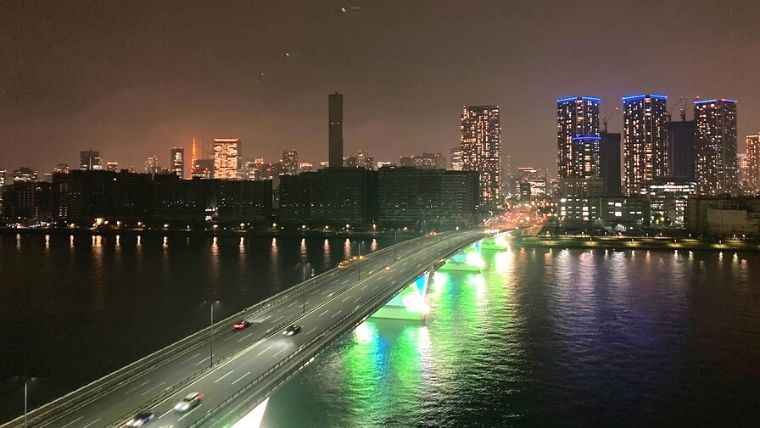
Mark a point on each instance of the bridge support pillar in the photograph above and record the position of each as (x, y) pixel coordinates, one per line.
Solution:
(467, 260)
(409, 303)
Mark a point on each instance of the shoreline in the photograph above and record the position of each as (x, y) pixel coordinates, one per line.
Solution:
(617, 243)
(208, 233)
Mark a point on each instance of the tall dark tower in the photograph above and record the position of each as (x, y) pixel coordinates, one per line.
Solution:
(335, 129)
(609, 162)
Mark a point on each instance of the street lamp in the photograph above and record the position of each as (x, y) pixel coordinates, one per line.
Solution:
(26, 397)
(211, 334)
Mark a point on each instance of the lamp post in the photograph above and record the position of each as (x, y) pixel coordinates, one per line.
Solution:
(304, 266)
(211, 334)
(360, 260)
(395, 241)
(26, 397)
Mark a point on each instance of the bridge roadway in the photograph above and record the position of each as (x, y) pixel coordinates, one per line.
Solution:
(241, 357)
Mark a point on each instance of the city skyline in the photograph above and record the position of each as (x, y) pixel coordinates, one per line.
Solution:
(406, 98)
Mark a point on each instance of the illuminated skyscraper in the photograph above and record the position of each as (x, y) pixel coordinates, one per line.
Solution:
(578, 138)
(90, 160)
(716, 146)
(335, 129)
(289, 162)
(752, 158)
(227, 153)
(112, 166)
(177, 156)
(644, 147)
(481, 150)
(456, 158)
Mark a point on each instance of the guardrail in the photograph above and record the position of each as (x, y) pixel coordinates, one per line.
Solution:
(91, 391)
(335, 330)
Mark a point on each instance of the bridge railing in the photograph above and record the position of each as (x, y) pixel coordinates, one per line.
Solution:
(335, 330)
(91, 391)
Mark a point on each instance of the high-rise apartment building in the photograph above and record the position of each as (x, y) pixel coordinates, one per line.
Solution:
(609, 163)
(644, 145)
(289, 162)
(227, 152)
(578, 138)
(90, 160)
(112, 166)
(177, 161)
(456, 158)
(481, 150)
(752, 158)
(335, 129)
(681, 149)
(716, 169)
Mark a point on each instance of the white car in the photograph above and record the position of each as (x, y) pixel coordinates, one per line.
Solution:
(190, 401)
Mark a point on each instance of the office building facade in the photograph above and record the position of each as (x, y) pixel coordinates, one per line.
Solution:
(227, 152)
(177, 161)
(90, 160)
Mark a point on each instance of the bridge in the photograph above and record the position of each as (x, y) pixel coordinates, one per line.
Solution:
(238, 369)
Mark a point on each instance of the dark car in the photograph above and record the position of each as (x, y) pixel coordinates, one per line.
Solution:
(292, 330)
(190, 401)
(241, 325)
(141, 419)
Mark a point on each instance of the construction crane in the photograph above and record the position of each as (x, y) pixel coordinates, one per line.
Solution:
(609, 116)
(682, 103)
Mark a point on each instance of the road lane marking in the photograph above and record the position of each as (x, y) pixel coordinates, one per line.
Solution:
(151, 389)
(333, 315)
(202, 361)
(324, 312)
(224, 376)
(281, 317)
(264, 319)
(357, 299)
(167, 412)
(279, 352)
(240, 378)
(188, 413)
(73, 422)
(307, 333)
(268, 348)
(191, 358)
(245, 337)
(290, 305)
(92, 423)
(344, 300)
(137, 387)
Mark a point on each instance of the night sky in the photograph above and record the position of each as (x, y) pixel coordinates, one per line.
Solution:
(135, 78)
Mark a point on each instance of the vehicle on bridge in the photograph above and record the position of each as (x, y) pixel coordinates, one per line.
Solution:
(141, 419)
(241, 325)
(292, 330)
(190, 401)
